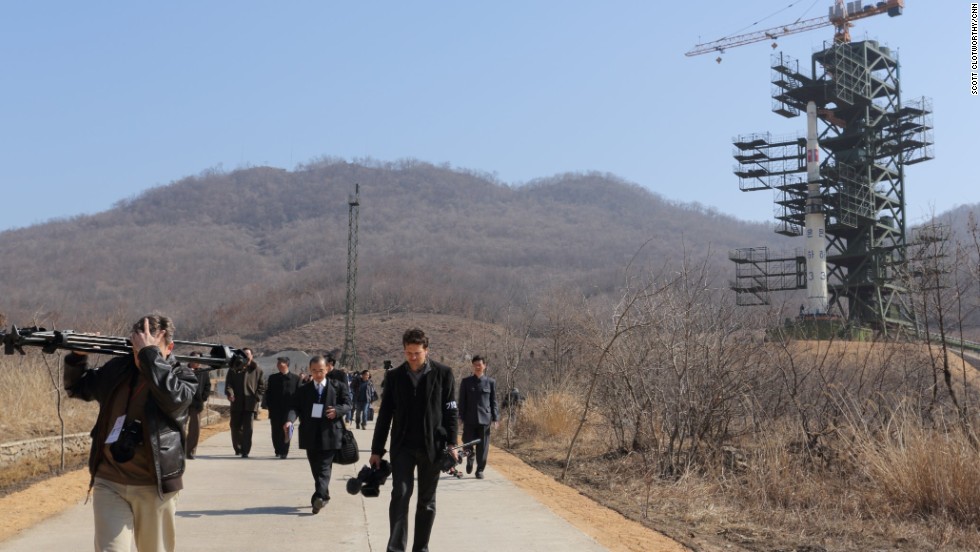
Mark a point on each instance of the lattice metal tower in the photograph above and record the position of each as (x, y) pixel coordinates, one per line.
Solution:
(348, 358)
(868, 137)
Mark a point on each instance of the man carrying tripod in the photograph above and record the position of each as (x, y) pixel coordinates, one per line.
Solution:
(137, 456)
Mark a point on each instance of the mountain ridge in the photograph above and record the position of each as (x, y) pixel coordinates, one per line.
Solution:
(262, 249)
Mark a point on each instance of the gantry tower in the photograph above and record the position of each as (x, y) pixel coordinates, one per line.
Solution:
(348, 358)
(868, 136)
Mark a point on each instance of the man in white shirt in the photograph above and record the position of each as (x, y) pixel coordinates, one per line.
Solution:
(320, 405)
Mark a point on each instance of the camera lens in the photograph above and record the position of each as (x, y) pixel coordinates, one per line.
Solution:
(130, 437)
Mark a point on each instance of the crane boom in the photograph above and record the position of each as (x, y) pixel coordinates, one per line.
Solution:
(840, 17)
(723, 44)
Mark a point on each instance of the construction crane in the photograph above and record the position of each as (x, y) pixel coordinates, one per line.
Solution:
(841, 15)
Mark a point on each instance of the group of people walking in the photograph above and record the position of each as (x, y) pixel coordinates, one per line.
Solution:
(139, 450)
(248, 391)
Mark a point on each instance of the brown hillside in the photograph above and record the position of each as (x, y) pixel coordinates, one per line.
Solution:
(260, 250)
(452, 340)
(854, 354)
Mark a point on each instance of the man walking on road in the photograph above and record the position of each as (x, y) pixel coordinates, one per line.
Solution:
(364, 395)
(197, 405)
(244, 387)
(278, 399)
(320, 405)
(418, 407)
(137, 458)
(477, 411)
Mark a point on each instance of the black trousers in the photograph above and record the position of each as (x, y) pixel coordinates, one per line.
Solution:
(279, 442)
(481, 432)
(321, 464)
(403, 466)
(193, 430)
(241, 431)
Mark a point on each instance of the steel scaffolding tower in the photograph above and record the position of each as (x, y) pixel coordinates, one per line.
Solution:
(868, 137)
(348, 358)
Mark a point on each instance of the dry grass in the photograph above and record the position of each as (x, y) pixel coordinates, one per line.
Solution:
(552, 417)
(911, 488)
(924, 472)
(30, 400)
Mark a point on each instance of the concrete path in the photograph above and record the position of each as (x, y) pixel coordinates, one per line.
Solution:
(262, 503)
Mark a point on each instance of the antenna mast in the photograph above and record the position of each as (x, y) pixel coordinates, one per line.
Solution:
(348, 358)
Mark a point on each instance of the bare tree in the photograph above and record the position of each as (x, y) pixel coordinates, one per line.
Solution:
(624, 321)
(514, 347)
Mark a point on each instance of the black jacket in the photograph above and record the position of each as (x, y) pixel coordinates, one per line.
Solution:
(440, 425)
(171, 388)
(278, 397)
(203, 390)
(320, 433)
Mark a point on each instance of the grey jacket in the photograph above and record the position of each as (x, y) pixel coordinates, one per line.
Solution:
(478, 400)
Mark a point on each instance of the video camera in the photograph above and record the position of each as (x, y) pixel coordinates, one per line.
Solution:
(369, 480)
(446, 462)
(220, 356)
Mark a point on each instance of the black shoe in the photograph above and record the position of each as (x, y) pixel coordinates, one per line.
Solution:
(190, 456)
(479, 475)
(244, 455)
(318, 504)
(469, 466)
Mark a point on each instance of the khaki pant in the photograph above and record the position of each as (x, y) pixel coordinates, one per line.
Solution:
(124, 513)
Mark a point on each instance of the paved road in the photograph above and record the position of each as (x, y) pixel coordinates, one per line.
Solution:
(262, 503)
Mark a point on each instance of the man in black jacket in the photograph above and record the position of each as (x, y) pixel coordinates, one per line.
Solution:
(320, 405)
(244, 387)
(278, 398)
(197, 406)
(137, 457)
(418, 407)
(478, 411)
(364, 394)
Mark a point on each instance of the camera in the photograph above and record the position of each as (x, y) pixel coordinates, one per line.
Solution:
(446, 462)
(130, 437)
(369, 480)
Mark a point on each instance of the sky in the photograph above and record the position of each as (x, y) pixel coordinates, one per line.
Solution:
(102, 100)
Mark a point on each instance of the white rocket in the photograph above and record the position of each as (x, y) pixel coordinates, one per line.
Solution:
(814, 222)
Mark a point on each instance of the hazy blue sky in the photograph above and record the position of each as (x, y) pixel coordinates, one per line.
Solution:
(101, 100)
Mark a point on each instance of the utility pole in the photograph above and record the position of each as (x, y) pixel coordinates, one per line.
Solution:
(348, 358)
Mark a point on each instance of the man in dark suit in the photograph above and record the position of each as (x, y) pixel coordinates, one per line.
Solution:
(320, 405)
(197, 406)
(418, 406)
(477, 411)
(278, 399)
(244, 387)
